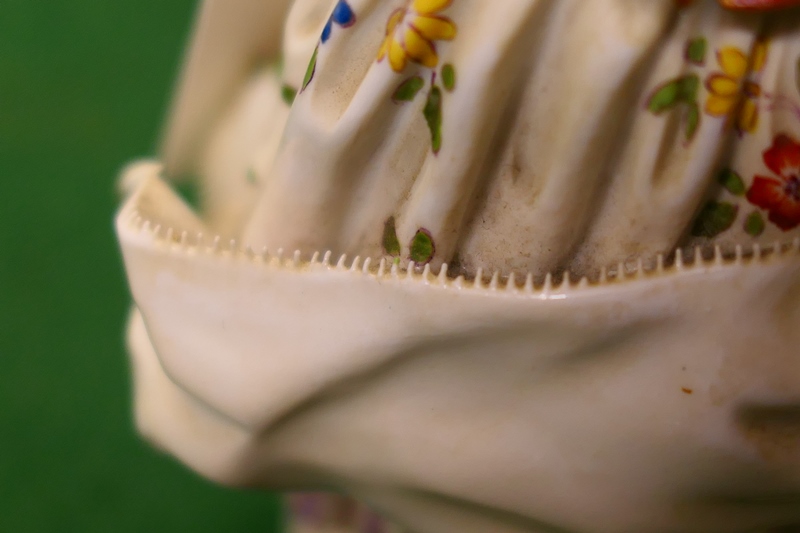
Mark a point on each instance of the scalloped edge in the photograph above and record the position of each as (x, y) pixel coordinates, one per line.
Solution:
(181, 242)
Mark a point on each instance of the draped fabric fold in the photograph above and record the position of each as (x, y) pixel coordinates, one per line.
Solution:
(520, 136)
(533, 136)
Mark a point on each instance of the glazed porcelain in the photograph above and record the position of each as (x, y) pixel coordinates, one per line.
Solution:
(526, 273)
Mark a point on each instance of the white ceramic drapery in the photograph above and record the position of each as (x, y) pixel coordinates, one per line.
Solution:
(659, 394)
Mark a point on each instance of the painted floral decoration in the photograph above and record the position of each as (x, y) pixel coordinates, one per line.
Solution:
(411, 34)
(780, 195)
(732, 93)
(718, 216)
(342, 15)
(681, 93)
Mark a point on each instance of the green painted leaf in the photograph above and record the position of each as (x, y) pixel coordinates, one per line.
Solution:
(696, 50)
(311, 70)
(422, 247)
(449, 77)
(288, 93)
(754, 225)
(692, 120)
(433, 114)
(715, 218)
(391, 244)
(664, 97)
(680, 90)
(732, 182)
(687, 88)
(252, 177)
(408, 90)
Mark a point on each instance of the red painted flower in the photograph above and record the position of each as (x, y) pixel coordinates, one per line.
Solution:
(780, 196)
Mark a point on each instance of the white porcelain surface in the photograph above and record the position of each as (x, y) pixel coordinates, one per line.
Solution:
(660, 395)
(665, 402)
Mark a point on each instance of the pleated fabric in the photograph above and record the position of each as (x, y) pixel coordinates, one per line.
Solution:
(520, 136)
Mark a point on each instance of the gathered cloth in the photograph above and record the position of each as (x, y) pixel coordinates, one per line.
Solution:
(520, 136)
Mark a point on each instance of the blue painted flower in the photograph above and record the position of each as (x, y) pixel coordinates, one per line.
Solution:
(342, 15)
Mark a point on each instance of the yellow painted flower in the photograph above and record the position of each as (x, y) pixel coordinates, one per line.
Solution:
(411, 34)
(731, 92)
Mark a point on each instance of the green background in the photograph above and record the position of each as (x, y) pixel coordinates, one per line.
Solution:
(83, 89)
